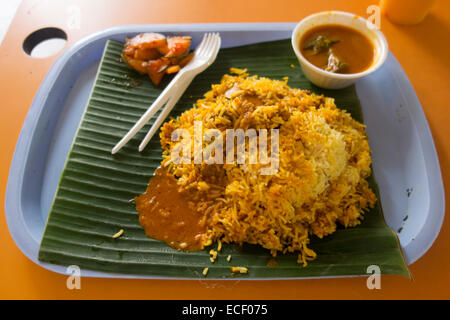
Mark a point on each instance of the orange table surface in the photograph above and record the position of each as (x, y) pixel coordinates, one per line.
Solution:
(422, 51)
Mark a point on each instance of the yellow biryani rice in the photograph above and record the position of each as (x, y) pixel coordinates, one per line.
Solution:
(324, 159)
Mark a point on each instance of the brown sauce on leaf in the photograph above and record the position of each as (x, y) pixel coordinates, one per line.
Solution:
(166, 215)
(337, 49)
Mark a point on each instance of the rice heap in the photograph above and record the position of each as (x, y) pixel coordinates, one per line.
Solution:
(324, 158)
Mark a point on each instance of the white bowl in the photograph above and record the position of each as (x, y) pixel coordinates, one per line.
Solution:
(329, 80)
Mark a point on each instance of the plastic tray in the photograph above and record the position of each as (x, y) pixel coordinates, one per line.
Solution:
(405, 162)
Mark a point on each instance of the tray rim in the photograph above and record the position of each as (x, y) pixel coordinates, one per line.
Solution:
(13, 209)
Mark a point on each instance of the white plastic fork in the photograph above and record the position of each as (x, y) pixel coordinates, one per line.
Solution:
(204, 56)
(214, 47)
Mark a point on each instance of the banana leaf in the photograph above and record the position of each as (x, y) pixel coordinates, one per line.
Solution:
(92, 201)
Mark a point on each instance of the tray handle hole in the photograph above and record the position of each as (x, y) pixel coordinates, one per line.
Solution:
(44, 42)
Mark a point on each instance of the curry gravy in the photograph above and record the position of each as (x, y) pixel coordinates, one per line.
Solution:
(166, 215)
(347, 45)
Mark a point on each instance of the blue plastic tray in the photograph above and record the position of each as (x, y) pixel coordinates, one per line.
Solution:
(405, 162)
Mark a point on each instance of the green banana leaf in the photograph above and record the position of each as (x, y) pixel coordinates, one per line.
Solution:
(92, 201)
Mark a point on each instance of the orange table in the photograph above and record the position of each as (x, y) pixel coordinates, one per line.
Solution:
(422, 51)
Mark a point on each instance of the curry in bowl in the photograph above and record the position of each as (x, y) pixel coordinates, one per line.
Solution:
(337, 49)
